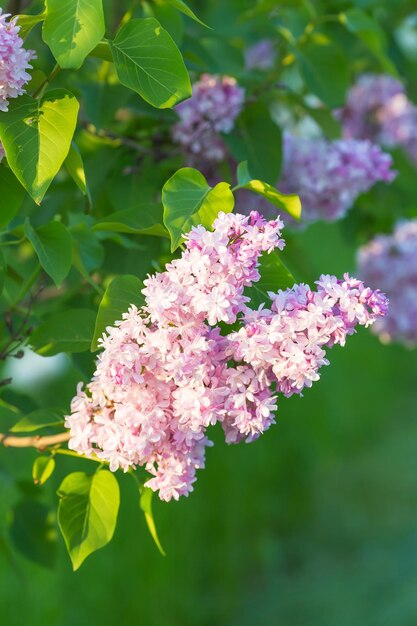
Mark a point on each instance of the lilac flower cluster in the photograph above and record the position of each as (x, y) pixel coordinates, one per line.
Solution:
(260, 56)
(166, 372)
(14, 61)
(212, 109)
(378, 109)
(391, 261)
(330, 175)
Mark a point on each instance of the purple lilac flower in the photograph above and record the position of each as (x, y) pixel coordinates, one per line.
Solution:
(329, 175)
(212, 109)
(14, 61)
(166, 373)
(390, 261)
(260, 56)
(378, 109)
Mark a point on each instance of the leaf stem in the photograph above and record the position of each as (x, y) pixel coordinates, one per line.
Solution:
(40, 90)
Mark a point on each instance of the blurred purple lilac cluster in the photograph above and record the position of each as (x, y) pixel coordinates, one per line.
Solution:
(390, 261)
(329, 175)
(378, 109)
(215, 104)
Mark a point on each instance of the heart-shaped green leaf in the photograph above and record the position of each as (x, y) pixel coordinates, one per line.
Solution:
(36, 136)
(189, 200)
(148, 61)
(72, 28)
(87, 512)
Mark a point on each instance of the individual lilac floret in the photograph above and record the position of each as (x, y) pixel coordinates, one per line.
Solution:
(14, 61)
(330, 175)
(260, 56)
(212, 109)
(391, 262)
(166, 372)
(378, 109)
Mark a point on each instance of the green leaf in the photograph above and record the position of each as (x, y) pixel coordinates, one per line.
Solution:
(72, 28)
(3, 268)
(181, 6)
(33, 532)
(370, 32)
(27, 22)
(36, 136)
(42, 469)
(189, 200)
(122, 292)
(257, 139)
(41, 418)
(53, 246)
(148, 61)
(88, 253)
(145, 501)
(274, 276)
(143, 219)
(324, 68)
(66, 331)
(289, 202)
(75, 167)
(87, 512)
(11, 196)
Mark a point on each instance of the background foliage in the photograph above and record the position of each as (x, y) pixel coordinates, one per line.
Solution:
(314, 523)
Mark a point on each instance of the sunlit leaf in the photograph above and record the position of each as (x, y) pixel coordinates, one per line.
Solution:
(42, 469)
(189, 200)
(75, 166)
(72, 28)
(184, 8)
(289, 202)
(87, 512)
(148, 61)
(36, 136)
(146, 496)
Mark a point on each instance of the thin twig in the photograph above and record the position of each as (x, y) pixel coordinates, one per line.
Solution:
(33, 441)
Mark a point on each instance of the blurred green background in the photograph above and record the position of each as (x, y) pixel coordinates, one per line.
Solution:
(315, 524)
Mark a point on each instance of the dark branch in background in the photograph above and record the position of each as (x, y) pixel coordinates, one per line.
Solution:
(159, 149)
(18, 335)
(34, 441)
(14, 7)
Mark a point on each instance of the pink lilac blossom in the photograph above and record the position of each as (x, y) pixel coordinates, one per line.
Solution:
(166, 372)
(212, 109)
(2, 152)
(378, 109)
(391, 261)
(260, 56)
(330, 175)
(14, 61)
